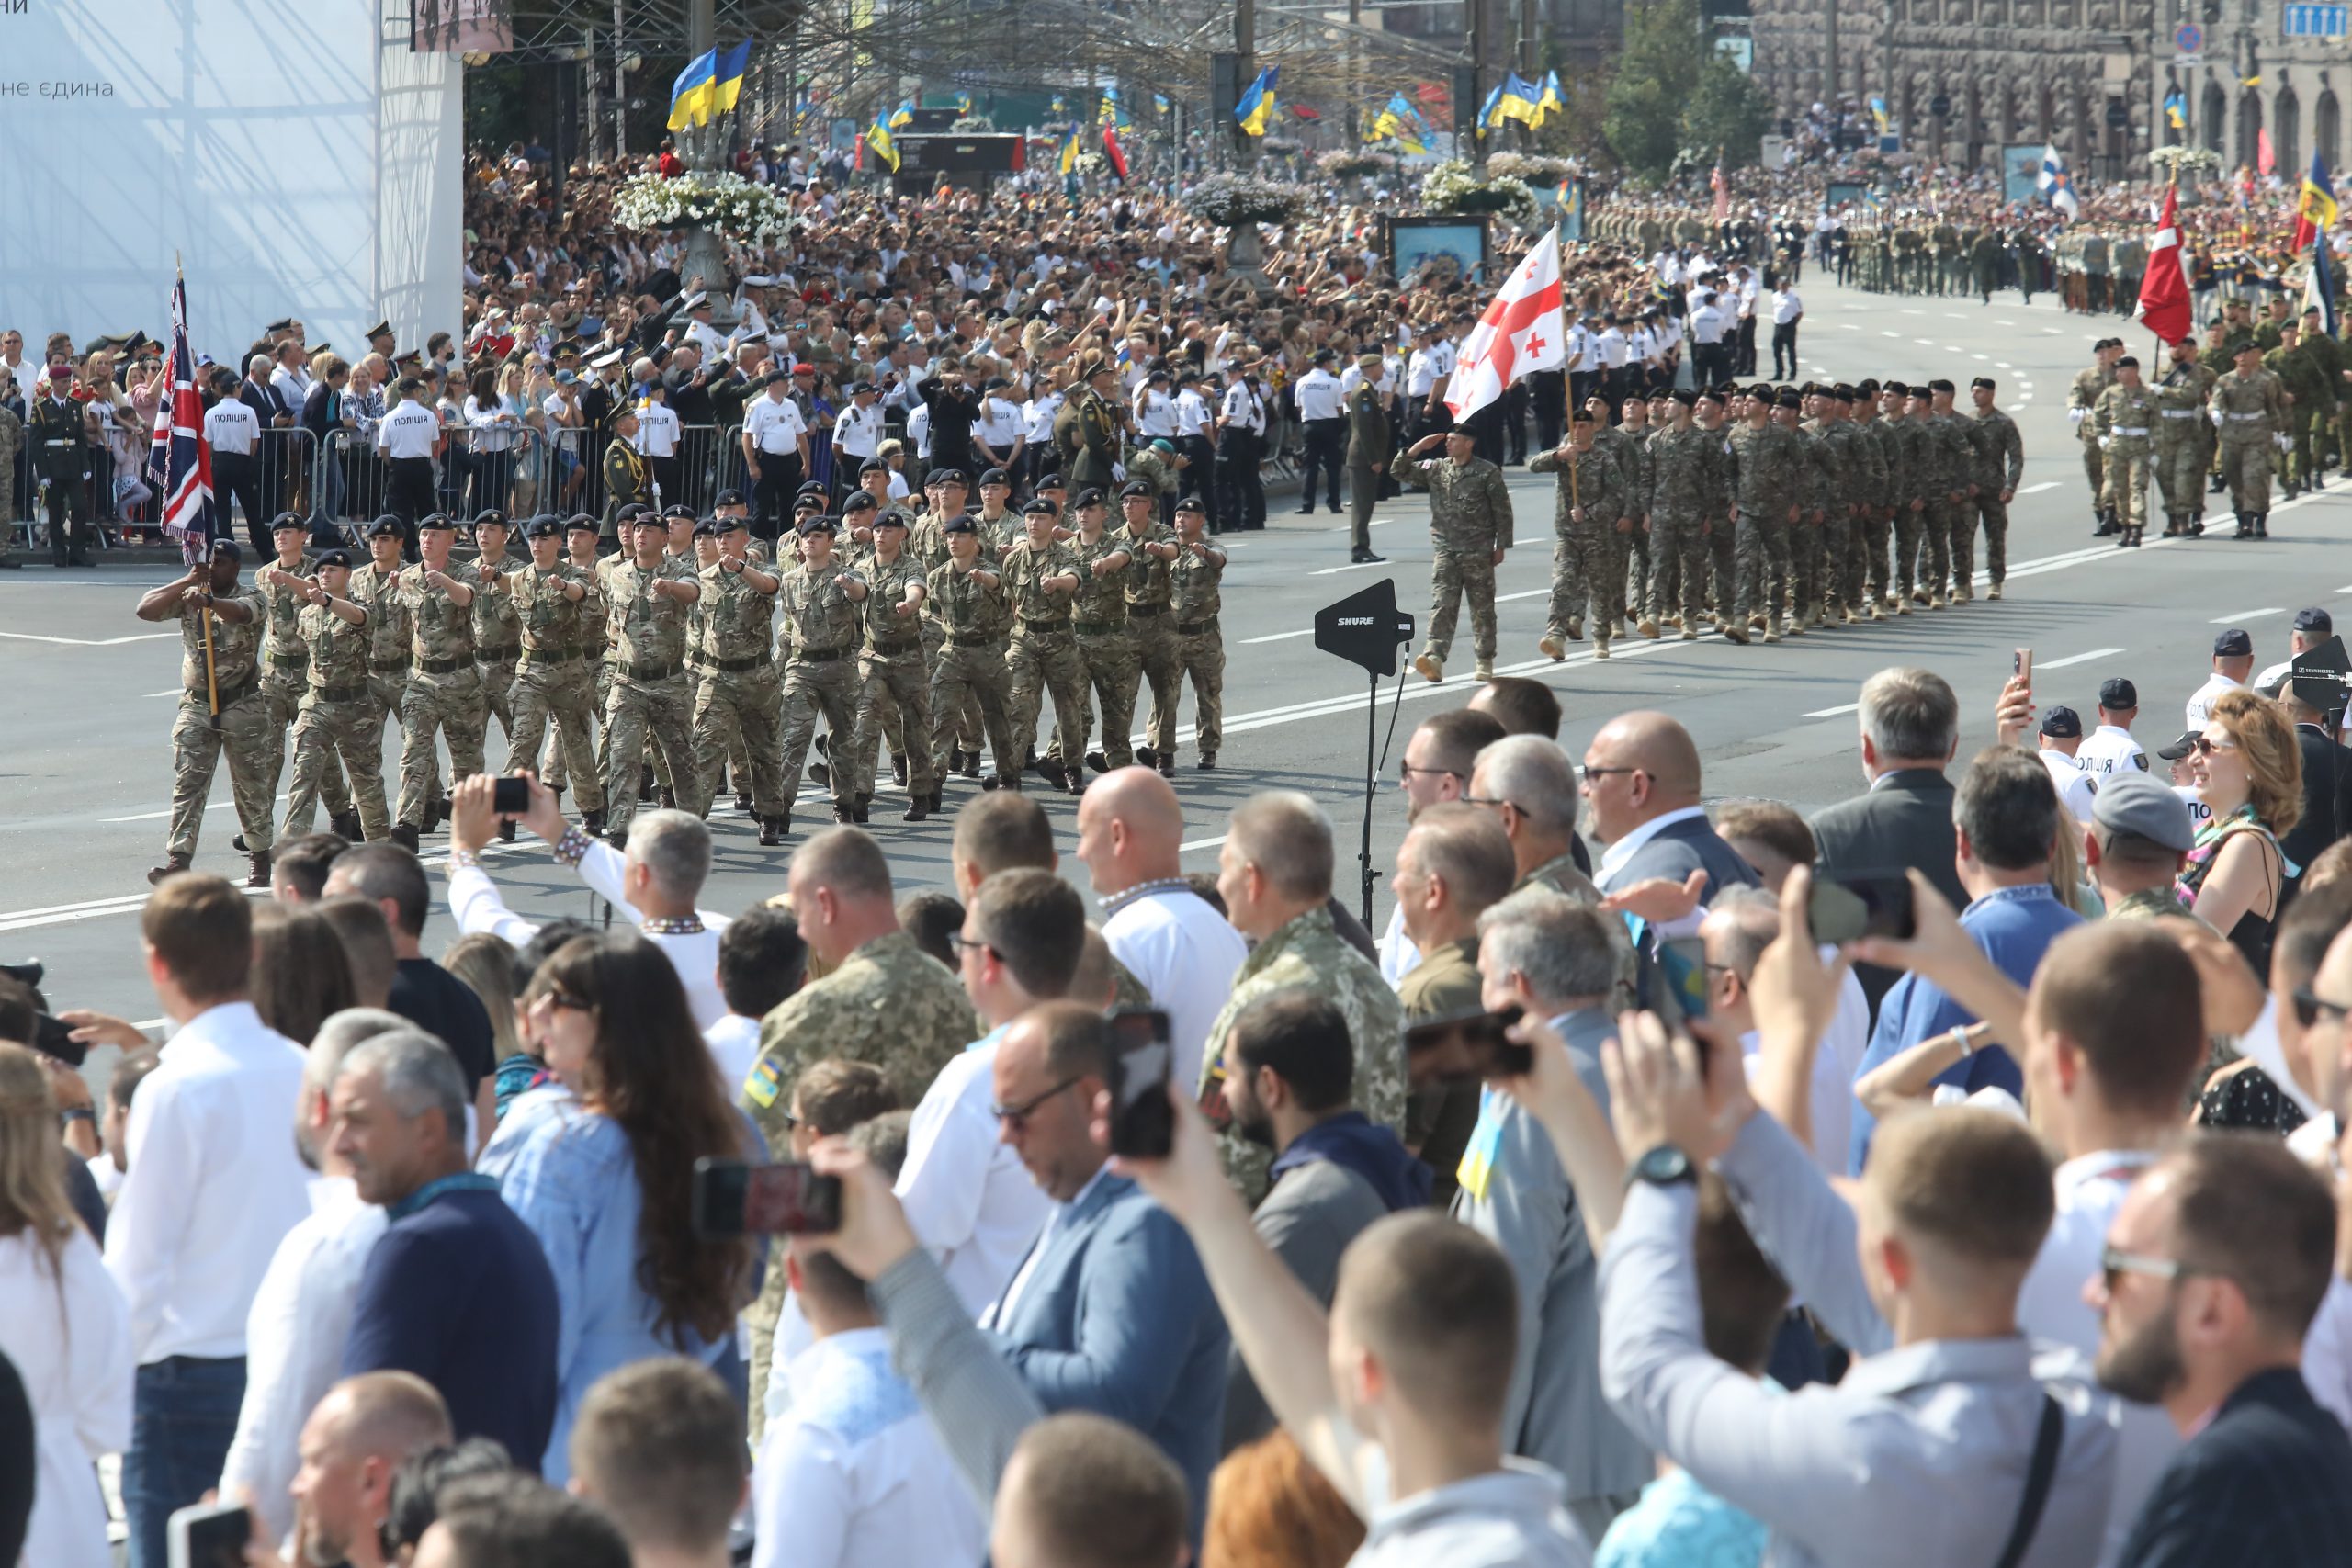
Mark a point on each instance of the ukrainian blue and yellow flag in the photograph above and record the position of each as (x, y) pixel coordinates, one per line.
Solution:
(1069, 153)
(729, 74)
(1490, 111)
(1517, 99)
(884, 149)
(903, 116)
(1255, 113)
(963, 102)
(1552, 103)
(2177, 109)
(694, 93)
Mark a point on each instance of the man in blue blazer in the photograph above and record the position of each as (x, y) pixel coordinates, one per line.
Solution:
(1641, 773)
(1111, 1312)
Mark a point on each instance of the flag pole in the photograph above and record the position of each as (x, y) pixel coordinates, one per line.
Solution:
(204, 612)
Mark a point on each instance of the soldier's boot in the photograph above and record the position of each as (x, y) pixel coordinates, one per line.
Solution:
(346, 823)
(1574, 629)
(2245, 526)
(506, 832)
(1053, 773)
(1877, 610)
(1691, 630)
(772, 830)
(971, 768)
(899, 770)
(1431, 669)
(592, 824)
(173, 863)
(238, 844)
(820, 774)
(1648, 628)
(744, 802)
(2218, 486)
(1993, 591)
(918, 811)
(1771, 633)
(858, 811)
(666, 799)
(2262, 524)
(1600, 646)
(1098, 762)
(1733, 628)
(1551, 647)
(936, 802)
(404, 836)
(1485, 668)
(259, 875)
(1794, 626)
(845, 815)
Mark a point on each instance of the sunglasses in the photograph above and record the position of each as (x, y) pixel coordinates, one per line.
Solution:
(2310, 1009)
(2205, 746)
(1017, 1116)
(2114, 1262)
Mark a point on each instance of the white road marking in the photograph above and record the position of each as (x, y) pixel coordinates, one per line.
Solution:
(1278, 637)
(1202, 843)
(2037, 489)
(1848, 327)
(2077, 658)
(1352, 566)
(2000, 364)
(2017, 408)
(90, 641)
(2004, 323)
(1833, 713)
(2247, 614)
(167, 691)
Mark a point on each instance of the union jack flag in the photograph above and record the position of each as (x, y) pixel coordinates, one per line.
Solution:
(178, 459)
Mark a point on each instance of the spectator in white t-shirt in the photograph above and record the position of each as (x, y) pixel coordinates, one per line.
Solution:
(2232, 662)
(762, 961)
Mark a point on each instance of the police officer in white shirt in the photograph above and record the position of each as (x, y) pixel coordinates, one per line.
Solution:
(234, 432)
(2110, 749)
(1710, 364)
(2232, 662)
(2312, 628)
(2061, 732)
(857, 433)
(1747, 287)
(775, 450)
(1195, 430)
(1326, 426)
(1155, 411)
(1786, 309)
(1241, 496)
(409, 438)
(1037, 417)
(699, 330)
(1614, 351)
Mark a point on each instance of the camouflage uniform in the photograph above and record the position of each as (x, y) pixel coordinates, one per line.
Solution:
(2088, 385)
(388, 636)
(1309, 952)
(2253, 410)
(285, 678)
(2180, 442)
(649, 695)
(1813, 595)
(1109, 670)
(1587, 557)
(1872, 563)
(2000, 464)
(820, 675)
(1846, 535)
(971, 663)
(889, 1004)
(1469, 520)
(243, 730)
(595, 651)
(2302, 376)
(497, 646)
(2124, 420)
(1193, 601)
(443, 695)
(893, 677)
(740, 706)
(338, 718)
(1690, 492)
(1153, 630)
(1044, 656)
(1950, 520)
(12, 438)
(1769, 468)
(556, 677)
(1917, 466)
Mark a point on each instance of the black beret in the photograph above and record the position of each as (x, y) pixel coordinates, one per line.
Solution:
(1133, 489)
(1040, 507)
(437, 520)
(1193, 503)
(994, 477)
(872, 465)
(337, 558)
(581, 522)
(1090, 496)
(818, 523)
(288, 520)
(960, 524)
(545, 527)
(728, 498)
(490, 517)
(858, 501)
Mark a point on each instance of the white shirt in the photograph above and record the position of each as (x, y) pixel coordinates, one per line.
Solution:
(1193, 415)
(2199, 711)
(2199, 812)
(1830, 1097)
(1786, 307)
(408, 431)
(1038, 417)
(1397, 952)
(301, 1316)
(1186, 955)
(774, 425)
(1243, 409)
(1707, 325)
(293, 385)
(1421, 373)
(853, 1476)
(2110, 749)
(232, 428)
(475, 902)
(1319, 395)
(657, 430)
(69, 1335)
(2327, 1350)
(213, 1184)
(919, 430)
(2077, 791)
(966, 1194)
(1155, 413)
(858, 432)
(1001, 424)
(734, 1042)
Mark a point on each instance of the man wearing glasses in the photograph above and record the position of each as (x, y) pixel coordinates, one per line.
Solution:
(1436, 768)
(1641, 774)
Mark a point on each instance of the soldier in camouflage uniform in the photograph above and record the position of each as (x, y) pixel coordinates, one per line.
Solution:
(2249, 408)
(1952, 511)
(12, 440)
(1193, 601)
(2124, 423)
(2088, 385)
(1041, 578)
(2309, 398)
(1921, 470)
(740, 704)
(1769, 468)
(1862, 468)
(2181, 429)
(235, 622)
(283, 587)
(556, 677)
(645, 606)
(1151, 626)
(1690, 497)
(885, 1002)
(497, 633)
(1108, 668)
(1630, 440)
(2335, 414)
(580, 540)
(442, 697)
(1470, 527)
(1877, 407)
(377, 585)
(338, 717)
(1589, 527)
(2000, 464)
(1816, 482)
(890, 665)
(967, 594)
(819, 599)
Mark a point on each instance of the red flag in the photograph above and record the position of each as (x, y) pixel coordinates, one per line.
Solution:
(2266, 156)
(1723, 192)
(1521, 331)
(1111, 150)
(2164, 288)
(1303, 112)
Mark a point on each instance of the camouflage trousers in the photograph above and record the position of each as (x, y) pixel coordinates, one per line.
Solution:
(639, 713)
(2180, 477)
(2302, 423)
(197, 745)
(2128, 464)
(827, 686)
(446, 706)
(1041, 660)
(1960, 543)
(1162, 668)
(1805, 593)
(1200, 656)
(1935, 545)
(1114, 674)
(565, 694)
(498, 693)
(2095, 470)
(740, 713)
(284, 687)
(1910, 533)
(975, 672)
(1454, 573)
(898, 685)
(1588, 579)
(601, 689)
(1723, 580)
(324, 732)
(2246, 467)
(1636, 584)
(1993, 512)
(385, 687)
(1761, 566)
(1867, 569)
(1833, 548)
(1678, 551)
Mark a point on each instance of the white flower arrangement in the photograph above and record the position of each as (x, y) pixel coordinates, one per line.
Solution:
(1455, 186)
(1534, 168)
(726, 204)
(1227, 199)
(1346, 164)
(972, 125)
(1089, 164)
(2186, 160)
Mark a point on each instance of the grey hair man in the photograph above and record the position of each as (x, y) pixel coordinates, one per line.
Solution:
(1531, 786)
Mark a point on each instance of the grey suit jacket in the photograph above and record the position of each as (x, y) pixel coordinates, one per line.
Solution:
(1904, 820)
(1556, 1412)
(1676, 850)
(1306, 1221)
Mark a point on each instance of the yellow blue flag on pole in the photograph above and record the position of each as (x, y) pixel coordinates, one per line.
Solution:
(729, 76)
(1069, 153)
(694, 90)
(902, 116)
(885, 149)
(1255, 112)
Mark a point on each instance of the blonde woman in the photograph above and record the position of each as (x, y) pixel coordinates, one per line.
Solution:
(62, 1323)
(2248, 770)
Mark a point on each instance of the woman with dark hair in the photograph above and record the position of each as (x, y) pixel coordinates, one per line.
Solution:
(301, 973)
(604, 1180)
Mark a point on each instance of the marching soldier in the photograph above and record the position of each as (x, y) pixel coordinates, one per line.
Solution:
(1690, 490)
(819, 600)
(1041, 578)
(739, 706)
(238, 725)
(2249, 409)
(894, 677)
(967, 595)
(2124, 420)
(2000, 464)
(1915, 465)
(2088, 385)
(1193, 601)
(2309, 396)
(1874, 408)
(627, 481)
(1589, 527)
(443, 696)
(1470, 527)
(562, 654)
(1149, 625)
(2179, 444)
(1768, 468)
(1367, 456)
(376, 586)
(497, 632)
(283, 588)
(1108, 670)
(645, 605)
(1951, 526)
(1861, 471)
(580, 536)
(338, 717)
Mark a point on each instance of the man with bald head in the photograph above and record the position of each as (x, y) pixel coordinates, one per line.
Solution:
(1641, 773)
(1130, 831)
(354, 1440)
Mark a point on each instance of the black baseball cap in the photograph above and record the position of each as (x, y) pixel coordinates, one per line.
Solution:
(2116, 694)
(2315, 620)
(2233, 644)
(2180, 748)
(2063, 724)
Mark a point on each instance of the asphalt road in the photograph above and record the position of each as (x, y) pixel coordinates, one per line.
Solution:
(86, 707)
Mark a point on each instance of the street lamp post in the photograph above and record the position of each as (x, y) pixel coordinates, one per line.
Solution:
(706, 252)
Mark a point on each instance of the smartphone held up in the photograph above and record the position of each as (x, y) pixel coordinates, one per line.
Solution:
(1471, 1048)
(732, 1198)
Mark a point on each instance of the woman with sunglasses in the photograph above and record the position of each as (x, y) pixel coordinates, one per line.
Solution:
(2247, 769)
(603, 1181)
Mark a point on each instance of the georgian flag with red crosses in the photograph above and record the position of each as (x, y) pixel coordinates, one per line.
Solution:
(1522, 330)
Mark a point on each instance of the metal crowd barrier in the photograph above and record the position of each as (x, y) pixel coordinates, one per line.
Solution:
(558, 471)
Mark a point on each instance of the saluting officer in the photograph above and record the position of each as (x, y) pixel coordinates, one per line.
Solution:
(1108, 672)
(2088, 385)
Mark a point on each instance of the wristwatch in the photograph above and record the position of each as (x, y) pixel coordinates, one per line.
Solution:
(1665, 1165)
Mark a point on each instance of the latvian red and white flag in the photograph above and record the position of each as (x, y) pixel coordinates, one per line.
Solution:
(2164, 288)
(1522, 330)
